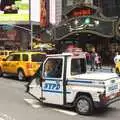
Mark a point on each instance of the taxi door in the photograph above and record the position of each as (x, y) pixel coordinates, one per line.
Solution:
(52, 86)
(11, 63)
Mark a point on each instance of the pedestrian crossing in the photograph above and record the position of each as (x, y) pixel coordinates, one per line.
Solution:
(36, 105)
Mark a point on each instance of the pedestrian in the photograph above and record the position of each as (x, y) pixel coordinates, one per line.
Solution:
(112, 58)
(70, 48)
(92, 59)
(117, 58)
(98, 61)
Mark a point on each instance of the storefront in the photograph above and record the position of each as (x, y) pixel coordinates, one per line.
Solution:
(14, 37)
(87, 27)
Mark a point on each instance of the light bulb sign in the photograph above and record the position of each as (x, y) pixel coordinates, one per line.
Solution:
(84, 11)
(84, 24)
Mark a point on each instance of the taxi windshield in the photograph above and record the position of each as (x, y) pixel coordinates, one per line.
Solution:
(78, 66)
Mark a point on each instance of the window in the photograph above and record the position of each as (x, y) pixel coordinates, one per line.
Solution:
(16, 58)
(38, 57)
(13, 58)
(25, 57)
(78, 66)
(1, 53)
(53, 68)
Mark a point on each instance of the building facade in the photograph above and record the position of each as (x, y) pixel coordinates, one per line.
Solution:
(81, 23)
(109, 7)
(15, 37)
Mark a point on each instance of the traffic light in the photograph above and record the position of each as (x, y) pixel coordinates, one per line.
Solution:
(87, 20)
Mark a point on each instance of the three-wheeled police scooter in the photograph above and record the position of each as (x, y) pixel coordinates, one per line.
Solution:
(63, 80)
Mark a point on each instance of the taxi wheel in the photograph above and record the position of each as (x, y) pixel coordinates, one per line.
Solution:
(21, 75)
(84, 105)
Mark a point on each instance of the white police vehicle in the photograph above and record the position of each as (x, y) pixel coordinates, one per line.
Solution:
(70, 85)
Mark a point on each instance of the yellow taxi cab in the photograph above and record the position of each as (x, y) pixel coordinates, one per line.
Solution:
(23, 64)
(4, 53)
(117, 64)
(117, 67)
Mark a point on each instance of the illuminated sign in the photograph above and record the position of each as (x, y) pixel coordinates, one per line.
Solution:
(79, 24)
(35, 10)
(81, 12)
(14, 13)
(55, 11)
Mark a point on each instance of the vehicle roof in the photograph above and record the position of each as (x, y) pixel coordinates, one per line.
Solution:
(6, 50)
(28, 52)
(66, 54)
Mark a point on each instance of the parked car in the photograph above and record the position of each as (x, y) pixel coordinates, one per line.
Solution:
(23, 64)
(5, 53)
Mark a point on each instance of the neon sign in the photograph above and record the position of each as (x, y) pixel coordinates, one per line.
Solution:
(81, 12)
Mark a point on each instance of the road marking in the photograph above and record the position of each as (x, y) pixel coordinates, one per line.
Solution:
(36, 104)
(2, 119)
(66, 112)
(33, 102)
(5, 117)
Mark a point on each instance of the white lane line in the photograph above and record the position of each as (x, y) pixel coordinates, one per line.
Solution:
(2, 119)
(5, 117)
(33, 102)
(36, 104)
(66, 112)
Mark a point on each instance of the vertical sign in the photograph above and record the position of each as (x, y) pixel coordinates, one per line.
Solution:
(35, 10)
(43, 14)
(52, 12)
(55, 11)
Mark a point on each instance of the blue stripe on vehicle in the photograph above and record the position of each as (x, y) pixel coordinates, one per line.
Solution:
(78, 81)
(55, 91)
(73, 81)
(53, 80)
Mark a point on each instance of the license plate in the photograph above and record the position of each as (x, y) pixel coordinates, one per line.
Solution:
(113, 87)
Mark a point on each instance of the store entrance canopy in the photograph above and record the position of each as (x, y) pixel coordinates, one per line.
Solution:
(84, 24)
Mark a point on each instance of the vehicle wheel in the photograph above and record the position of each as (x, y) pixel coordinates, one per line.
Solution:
(84, 105)
(21, 75)
(1, 72)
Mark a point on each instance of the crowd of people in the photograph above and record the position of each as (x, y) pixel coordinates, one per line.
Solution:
(93, 58)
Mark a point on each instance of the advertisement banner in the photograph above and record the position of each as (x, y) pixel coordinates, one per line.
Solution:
(14, 11)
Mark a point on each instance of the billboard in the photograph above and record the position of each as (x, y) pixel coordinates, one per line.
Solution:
(14, 11)
(35, 10)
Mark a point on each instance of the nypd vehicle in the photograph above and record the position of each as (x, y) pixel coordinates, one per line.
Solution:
(63, 80)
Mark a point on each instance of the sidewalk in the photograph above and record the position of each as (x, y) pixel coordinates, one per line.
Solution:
(104, 69)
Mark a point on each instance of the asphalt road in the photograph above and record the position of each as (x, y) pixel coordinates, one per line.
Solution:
(15, 104)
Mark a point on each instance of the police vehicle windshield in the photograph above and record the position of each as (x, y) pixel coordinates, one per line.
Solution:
(78, 66)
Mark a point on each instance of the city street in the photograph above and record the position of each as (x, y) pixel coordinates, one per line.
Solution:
(16, 104)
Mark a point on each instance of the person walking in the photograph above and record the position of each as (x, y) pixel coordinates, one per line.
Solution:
(98, 61)
(92, 59)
